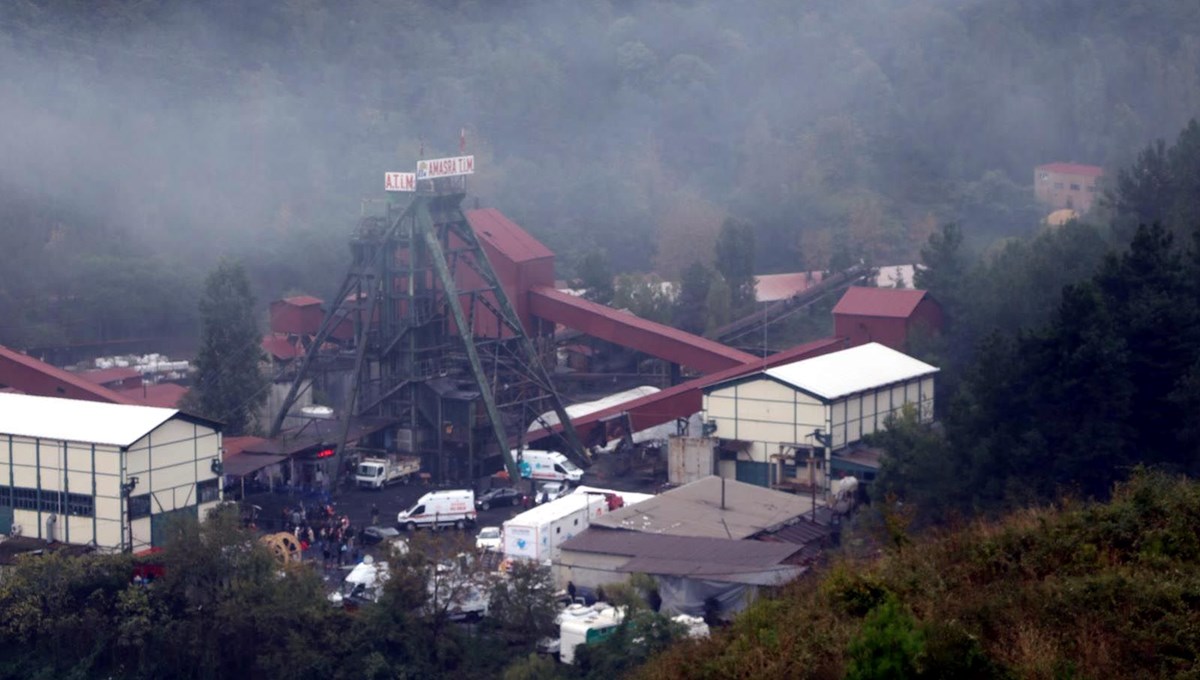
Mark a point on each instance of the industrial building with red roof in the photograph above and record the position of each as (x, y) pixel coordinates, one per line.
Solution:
(889, 316)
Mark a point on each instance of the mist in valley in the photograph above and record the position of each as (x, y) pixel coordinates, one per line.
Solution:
(141, 141)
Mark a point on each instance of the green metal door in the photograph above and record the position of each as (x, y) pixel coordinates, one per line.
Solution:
(6, 517)
(753, 473)
(160, 524)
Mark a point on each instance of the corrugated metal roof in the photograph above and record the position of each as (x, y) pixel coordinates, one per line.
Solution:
(242, 464)
(887, 302)
(77, 420)
(695, 510)
(550, 418)
(1073, 169)
(775, 287)
(302, 300)
(506, 236)
(632, 331)
(101, 376)
(850, 371)
(721, 559)
(724, 551)
(799, 534)
(162, 395)
(101, 393)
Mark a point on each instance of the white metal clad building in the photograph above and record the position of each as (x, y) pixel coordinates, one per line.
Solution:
(773, 419)
(84, 472)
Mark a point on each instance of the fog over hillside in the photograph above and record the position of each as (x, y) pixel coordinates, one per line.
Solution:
(168, 132)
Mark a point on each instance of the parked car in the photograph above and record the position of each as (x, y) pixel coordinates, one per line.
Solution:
(502, 495)
(376, 534)
(488, 539)
(551, 491)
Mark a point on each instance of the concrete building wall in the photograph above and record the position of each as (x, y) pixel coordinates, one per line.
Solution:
(588, 570)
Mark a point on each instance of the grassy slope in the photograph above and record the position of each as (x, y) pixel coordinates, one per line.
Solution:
(1097, 591)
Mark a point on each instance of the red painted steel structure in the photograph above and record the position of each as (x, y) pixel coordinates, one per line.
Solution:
(31, 376)
(629, 330)
(519, 260)
(683, 400)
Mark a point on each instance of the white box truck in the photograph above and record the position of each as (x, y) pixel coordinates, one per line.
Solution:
(536, 534)
(376, 473)
(440, 509)
(546, 466)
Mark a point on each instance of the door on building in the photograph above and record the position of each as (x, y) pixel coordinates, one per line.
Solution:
(160, 523)
(754, 473)
(6, 520)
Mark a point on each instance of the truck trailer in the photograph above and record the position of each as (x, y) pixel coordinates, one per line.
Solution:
(537, 534)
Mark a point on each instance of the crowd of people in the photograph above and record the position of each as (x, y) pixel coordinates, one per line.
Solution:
(321, 531)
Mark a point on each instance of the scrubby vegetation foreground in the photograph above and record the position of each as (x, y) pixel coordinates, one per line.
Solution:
(1094, 591)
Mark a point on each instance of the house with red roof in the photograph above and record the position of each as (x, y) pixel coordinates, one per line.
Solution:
(1067, 185)
(889, 316)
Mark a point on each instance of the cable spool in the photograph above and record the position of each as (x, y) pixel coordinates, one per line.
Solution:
(283, 546)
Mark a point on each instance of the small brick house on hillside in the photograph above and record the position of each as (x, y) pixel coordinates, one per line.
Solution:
(889, 316)
(1067, 185)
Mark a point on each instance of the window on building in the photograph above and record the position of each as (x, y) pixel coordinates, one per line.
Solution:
(208, 491)
(139, 506)
(5, 497)
(81, 505)
(51, 501)
(25, 499)
(1074, 187)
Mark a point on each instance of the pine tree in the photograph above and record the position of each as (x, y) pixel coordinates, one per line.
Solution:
(735, 261)
(229, 386)
(691, 307)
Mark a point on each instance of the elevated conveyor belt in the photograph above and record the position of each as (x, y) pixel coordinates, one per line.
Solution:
(683, 400)
(629, 330)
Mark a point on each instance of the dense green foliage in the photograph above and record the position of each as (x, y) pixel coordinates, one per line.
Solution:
(224, 608)
(1063, 369)
(230, 386)
(1097, 591)
(169, 133)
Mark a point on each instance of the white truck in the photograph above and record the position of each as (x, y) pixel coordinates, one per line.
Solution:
(547, 466)
(536, 534)
(376, 473)
(439, 509)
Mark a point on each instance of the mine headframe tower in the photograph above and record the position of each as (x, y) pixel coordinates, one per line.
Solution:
(436, 344)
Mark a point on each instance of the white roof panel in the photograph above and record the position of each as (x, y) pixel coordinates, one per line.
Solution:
(850, 371)
(583, 408)
(77, 420)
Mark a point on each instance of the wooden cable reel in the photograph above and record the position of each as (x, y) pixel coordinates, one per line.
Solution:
(284, 546)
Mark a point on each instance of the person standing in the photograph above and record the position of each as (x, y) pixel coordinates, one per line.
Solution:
(374, 515)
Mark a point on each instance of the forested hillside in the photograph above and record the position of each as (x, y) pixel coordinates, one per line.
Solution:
(141, 140)
(1095, 591)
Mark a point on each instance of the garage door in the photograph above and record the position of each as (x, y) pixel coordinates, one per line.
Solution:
(754, 473)
(160, 524)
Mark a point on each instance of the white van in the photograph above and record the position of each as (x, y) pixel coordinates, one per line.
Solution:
(439, 509)
(548, 466)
